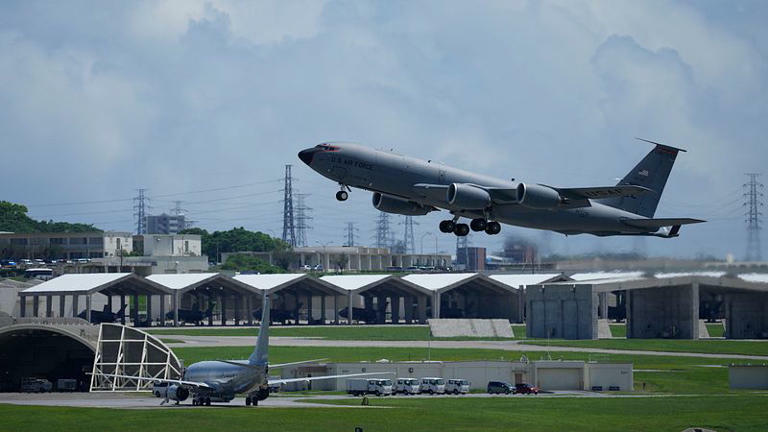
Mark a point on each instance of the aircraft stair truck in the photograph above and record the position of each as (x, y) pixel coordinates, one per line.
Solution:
(363, 386)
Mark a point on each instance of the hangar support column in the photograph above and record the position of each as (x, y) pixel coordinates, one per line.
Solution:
(422, 309)
(349, 308)
(88, 307)
(122, 309)
(35, 306)
(149, 310)
(62, 302)
(395, 308)
(22, 306)
(48, 306)
(75, 307)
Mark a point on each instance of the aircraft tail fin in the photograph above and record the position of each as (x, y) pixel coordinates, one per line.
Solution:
(261, 352)
(651, 173)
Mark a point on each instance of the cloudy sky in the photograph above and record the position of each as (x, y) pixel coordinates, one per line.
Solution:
(206, 101)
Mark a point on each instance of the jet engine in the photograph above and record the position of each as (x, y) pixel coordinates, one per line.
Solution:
(262, 394)
(538, 196)
(391, 204)
(467, 196)
(177, 393)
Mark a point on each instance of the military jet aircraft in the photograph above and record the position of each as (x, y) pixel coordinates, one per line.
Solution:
(195, 316)
(103, 316)
(221, 380)
(409, 186)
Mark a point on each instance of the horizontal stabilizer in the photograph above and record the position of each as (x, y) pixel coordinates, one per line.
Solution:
(602, 191)
(658, 223)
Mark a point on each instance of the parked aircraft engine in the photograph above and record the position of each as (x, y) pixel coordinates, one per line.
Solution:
(262, 394)
(467, 196)
(391, 204)
(177, 393)
(538, 196)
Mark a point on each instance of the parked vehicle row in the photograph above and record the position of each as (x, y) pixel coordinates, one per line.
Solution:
(501, 387)
(407, 386)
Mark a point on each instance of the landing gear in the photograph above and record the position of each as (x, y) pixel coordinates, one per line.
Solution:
(203, 401)
(447, 226)
(461, 230)
(493, 228)
(251, 401)
(478, 224)
(342, 195)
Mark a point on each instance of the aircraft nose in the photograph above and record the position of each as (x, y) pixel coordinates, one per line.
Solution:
(306, 155)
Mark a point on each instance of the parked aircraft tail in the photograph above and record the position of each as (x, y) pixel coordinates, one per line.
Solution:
(652, 173)
(260, 354)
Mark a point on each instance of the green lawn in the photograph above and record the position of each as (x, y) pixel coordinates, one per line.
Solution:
(716, 330)
(384, 333)
(618, 330)
(671, 375)
(672, 345)
(730, 413)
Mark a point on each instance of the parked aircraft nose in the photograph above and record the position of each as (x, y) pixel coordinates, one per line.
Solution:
(307, 155)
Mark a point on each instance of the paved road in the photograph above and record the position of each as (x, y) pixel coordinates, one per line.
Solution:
(214, 341)
(146, 401)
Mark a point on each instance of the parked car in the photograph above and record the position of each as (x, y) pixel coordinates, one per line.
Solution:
(35, 385)
(306, 268)
(432, 385)
(363, 386)
(407, 386)
(498, 387)
(523, 388)
(457, 386)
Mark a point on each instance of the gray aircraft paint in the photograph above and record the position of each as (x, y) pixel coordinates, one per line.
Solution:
(397, 175)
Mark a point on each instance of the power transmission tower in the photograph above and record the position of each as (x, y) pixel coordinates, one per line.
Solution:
(178, 211)
(302, 218)
(349, 232)
(753, 201)
(409, 244)
(289, 232)
(384, 238)
(140, 207)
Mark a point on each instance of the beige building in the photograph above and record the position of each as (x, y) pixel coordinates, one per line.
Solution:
(157, 245)
(65, 245)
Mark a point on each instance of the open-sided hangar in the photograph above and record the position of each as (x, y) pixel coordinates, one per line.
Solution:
(296, 297)
(664, 305)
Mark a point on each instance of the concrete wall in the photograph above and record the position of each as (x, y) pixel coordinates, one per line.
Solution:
(746, 315)
(665, 312)
(748, 377)
(607, 375)
(561, 311)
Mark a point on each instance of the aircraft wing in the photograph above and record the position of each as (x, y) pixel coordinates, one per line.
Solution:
(659, 223)
(279, 365)
(291, 380)
(601, 192)
(163, 380)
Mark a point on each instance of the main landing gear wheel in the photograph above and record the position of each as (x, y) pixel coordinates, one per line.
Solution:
(447, 226)
(493, 228)
(247, 401)
(478, 224)
(342, 195)
(461, 230)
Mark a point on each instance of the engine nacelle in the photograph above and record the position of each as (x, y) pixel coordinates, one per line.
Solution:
(391, 204)
(262, 394)
(467, 196)
(538, 196)
(177, 393)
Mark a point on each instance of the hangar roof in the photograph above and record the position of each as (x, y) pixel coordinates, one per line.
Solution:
(362, 283)
(617, 274)
(517, 280)
(105, 283)
(442, 282)
(189, 281)
(294, 281)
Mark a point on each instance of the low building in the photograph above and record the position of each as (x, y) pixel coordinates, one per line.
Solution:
(471, 258)
(97, 244)
(156, 245)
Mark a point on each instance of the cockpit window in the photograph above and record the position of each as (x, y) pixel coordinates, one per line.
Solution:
(327, 147)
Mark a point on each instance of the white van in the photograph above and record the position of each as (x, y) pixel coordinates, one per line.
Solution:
(407, 386)
(363, 386)
(432, 385)
(457, 386)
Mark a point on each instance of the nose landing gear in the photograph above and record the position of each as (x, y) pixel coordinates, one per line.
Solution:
(343, 194)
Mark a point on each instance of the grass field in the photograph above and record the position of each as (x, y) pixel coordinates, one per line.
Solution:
(672, 345)
(662, 374)
(716, 330)
(384, 333)
(730, 413)
(618, 330)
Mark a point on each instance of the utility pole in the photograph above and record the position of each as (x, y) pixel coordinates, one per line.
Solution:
(383, 232)
(289, 232)
(350, 233)
(140, 207)
(302, 217)
(409, 244)
(753, 200)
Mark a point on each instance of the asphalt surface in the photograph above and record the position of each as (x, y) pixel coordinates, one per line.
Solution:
(146, 401)
(517, 345)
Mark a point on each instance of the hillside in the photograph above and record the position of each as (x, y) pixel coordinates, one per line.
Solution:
(13, 218)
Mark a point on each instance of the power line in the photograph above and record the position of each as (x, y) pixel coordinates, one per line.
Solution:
(753, 201)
